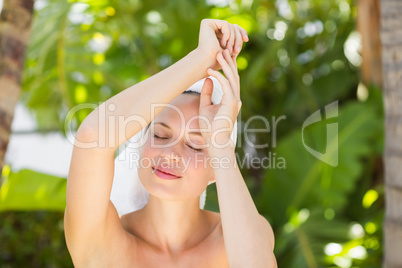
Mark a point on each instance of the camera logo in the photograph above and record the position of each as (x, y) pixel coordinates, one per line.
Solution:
(331, 153)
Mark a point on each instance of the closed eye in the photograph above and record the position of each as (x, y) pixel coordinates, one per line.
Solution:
(197, 150)
(162, 138)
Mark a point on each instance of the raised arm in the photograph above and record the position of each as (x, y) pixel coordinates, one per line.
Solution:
(249, 239)
(161, 88)
(91, 221)
(248, 236)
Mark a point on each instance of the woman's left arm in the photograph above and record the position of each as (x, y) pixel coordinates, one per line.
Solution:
(248, 236)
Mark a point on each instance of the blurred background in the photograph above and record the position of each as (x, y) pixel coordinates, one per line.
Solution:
(302, 55)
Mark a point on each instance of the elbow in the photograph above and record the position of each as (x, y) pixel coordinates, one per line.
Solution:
(86, 130)
(261, 253)
(270, 237)
(92, 123)
(272, 261)
(87, 135)
(268, 260)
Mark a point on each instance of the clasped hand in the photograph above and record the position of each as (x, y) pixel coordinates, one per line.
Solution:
(222, 41)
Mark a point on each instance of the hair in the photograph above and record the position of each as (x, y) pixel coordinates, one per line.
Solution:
(185, 92)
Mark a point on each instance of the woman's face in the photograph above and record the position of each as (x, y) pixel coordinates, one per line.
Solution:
(167, 145)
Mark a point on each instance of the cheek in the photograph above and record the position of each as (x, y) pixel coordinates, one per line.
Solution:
(198, 167)
(196, 162)
(146, 159)
(148, 149)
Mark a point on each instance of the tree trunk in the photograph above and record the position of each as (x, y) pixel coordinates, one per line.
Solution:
(15, 29)
(391, 37)
(368, 24)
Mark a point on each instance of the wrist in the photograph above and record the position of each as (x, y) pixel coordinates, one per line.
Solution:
(222, 149)
(222, 158)
(208, 57)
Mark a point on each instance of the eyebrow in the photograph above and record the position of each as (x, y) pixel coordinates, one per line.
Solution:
(192, 132)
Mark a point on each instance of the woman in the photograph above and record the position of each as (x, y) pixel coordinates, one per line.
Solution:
(171, 230)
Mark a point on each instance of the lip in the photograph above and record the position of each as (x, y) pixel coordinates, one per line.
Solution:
(165, 173)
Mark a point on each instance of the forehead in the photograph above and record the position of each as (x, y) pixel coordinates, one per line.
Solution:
(183, 107)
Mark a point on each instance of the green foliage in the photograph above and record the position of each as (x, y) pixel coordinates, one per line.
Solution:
(30, 190)
(33, 239)
(294, 64)
(302, 239)
(307, 181)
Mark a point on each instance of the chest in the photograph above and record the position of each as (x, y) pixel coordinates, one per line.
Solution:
(210, 254)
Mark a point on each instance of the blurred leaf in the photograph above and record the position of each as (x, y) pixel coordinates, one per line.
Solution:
(30, 190)
(33, 239)
(302, 246)
(306, 180)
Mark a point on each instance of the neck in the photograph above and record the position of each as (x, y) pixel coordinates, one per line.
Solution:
(173, 225)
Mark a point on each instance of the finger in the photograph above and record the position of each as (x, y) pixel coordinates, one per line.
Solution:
(227, 70)
(230, 75)
(223, 26)
(239, 103)
(243, 33)
(238, 39)
(206, 93)
(228, 93)
(223, 81)
(229, 60)
(231, 39)
(237, 72)
(234, 57)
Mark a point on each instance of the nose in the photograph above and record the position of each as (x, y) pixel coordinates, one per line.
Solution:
(169, 154)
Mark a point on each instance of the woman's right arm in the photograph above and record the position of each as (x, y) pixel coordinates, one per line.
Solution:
(91, 221)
